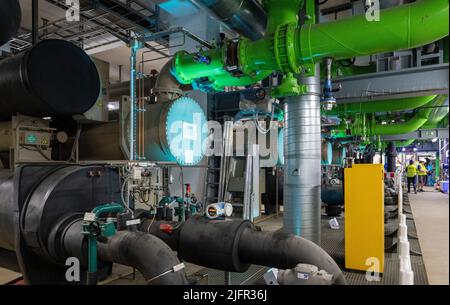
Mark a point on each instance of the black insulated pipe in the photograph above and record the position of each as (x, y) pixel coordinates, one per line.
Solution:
(54, 78)
(285, 251)
(145, 252)
(246, 17)
(233, 245)
(391, 155)
(10, 18)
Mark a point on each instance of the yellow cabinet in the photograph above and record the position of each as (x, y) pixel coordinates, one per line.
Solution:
(364, 217)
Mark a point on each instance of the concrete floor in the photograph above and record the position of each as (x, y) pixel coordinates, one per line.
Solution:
(431, 216)
(7, 276)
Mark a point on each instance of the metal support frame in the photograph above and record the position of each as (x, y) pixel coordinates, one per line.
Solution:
(35, 21)
(133, 95)
(426, 134)
(425, 80)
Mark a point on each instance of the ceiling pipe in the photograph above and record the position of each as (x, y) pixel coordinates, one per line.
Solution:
(364, 126)
(404, 27)
(292, 46)
(245, 17)
(437, 114)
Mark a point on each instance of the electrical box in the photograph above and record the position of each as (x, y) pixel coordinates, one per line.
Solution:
(364, 217)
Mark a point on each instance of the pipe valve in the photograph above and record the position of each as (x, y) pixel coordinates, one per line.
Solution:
(328, 101)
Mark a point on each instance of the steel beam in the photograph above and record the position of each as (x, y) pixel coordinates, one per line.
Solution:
(426, 134)
(426, 80)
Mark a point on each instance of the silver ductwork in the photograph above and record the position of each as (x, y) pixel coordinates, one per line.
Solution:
(246, 17)
(302, 155)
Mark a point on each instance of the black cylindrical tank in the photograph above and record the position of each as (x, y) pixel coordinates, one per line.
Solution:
(10, 17)
(54, 78)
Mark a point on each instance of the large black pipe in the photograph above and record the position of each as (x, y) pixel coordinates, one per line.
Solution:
(233, 245)
(285, 251)
(145, 252)
(391, 155)
(54, 78)
(10, 17)
(246, 17)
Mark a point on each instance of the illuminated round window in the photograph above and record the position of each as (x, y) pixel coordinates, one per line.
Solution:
(186, 133)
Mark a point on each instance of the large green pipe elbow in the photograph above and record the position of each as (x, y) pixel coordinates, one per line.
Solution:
(396, 105)
(437, 114)
(418, 121)
(403, 27)
(393, 129)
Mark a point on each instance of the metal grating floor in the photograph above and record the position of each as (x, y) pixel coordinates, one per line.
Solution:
(333, 243)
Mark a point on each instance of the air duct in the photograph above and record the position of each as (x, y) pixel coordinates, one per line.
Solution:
(54, 78)
(10, 17)
(246, 17)
(302, 155)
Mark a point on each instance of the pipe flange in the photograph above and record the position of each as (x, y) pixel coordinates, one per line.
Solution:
(284, 48)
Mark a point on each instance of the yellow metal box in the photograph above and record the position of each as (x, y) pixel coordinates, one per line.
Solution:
(364, 217)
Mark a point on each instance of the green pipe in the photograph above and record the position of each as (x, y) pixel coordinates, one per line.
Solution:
(281, 12)
(411, 125)
(437, 114)
(395, 105)
(93, 235)
(404, 27)
(287, 47)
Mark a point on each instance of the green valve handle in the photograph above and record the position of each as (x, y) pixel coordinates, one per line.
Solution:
(94, 227)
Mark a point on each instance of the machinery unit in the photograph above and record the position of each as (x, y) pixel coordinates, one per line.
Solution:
(364, 217)
(283, 102)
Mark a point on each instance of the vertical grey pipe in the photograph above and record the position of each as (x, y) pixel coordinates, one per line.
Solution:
(302, 153)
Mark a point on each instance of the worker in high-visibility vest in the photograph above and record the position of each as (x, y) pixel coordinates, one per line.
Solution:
(422, 173)
(411, 173)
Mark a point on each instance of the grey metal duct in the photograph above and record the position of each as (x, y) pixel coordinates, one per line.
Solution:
(10, 17)
(302, 153)
(246, 17)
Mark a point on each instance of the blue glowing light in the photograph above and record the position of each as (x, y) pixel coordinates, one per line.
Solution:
(281, 146)
(186, 131)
